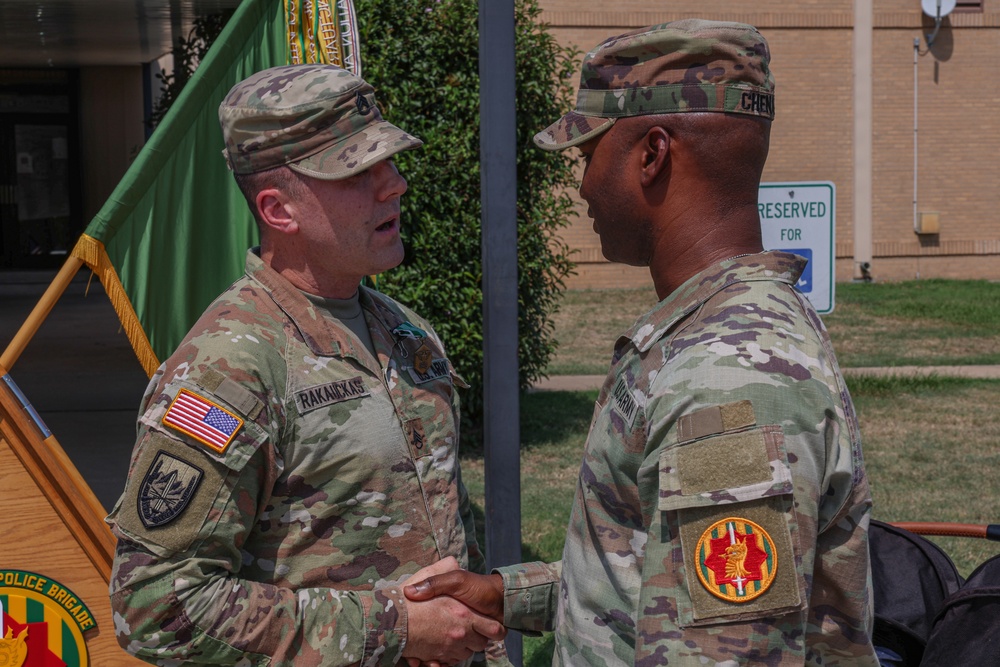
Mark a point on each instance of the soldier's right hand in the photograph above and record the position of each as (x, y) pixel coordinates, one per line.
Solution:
(443, 631)
(481, 592)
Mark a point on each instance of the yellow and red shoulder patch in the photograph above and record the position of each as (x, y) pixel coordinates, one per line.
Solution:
(207, 422)
(41, 622)
(736, 560)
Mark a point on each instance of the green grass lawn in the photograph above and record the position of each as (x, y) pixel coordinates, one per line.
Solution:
(919, 323)
(932, 445)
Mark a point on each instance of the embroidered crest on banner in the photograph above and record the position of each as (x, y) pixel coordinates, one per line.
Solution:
(42, 622)
(438, 368)
(167, 488)
(330, 393)
(736, 560)
(207, 422)
(624, 402)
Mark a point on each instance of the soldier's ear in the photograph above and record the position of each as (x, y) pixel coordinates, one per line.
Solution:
(655, 151)
(274, 212)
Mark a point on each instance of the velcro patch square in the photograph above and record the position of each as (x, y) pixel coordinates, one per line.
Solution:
(205, 421)
(741, 561)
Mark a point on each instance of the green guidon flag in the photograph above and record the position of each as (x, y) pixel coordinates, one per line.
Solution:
(174, 232)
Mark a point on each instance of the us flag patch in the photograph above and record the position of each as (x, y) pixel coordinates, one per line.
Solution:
(203, 420)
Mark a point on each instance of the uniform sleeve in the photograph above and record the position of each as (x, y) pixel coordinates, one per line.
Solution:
(754, 493)
(732, 478)
(192, 611)
(176, 588)
(531, 595)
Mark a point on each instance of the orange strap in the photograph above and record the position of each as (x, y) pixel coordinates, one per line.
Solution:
(990, 532)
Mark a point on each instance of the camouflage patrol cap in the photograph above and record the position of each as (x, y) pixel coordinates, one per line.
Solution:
(683, 66)
(320, 120)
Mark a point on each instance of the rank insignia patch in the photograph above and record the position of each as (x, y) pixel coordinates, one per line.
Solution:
(167, 488)
(203, 420)
(736, 560)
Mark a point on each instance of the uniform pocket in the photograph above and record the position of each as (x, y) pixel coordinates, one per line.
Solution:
(728, 499)
(186, 454)
(168, 496)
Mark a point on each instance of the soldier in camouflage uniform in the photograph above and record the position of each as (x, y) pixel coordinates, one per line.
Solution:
(722, 506)
(297, 456)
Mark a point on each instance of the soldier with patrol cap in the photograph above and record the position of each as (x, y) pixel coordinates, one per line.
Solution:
(297, 456)
(722, 506)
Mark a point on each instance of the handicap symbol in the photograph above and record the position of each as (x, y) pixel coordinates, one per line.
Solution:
(805, 284)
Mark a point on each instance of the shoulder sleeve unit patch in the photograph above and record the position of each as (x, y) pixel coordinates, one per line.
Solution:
(736, 560)
(166, 489)
(205, 421)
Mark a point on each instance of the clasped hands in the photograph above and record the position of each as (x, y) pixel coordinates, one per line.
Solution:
(451, 614)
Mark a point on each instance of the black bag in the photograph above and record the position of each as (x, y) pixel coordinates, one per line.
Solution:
(966, 630)
(911, 578)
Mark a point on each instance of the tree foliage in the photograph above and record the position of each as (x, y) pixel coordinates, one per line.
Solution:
(422, 58)
(188, 53)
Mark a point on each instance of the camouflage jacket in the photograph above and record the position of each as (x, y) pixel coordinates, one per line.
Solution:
(284, 481)
(722, 506)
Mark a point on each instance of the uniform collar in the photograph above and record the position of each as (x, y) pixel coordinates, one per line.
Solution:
(767, 266)
(322, 335)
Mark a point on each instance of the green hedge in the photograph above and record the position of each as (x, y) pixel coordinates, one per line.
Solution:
(422, 58)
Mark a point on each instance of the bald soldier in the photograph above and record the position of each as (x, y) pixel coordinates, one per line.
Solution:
(722, 509)
(297, 456)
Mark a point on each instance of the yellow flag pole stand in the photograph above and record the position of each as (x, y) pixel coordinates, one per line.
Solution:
(39, 313)
(54, 535)
(57, 550)
(41, 455)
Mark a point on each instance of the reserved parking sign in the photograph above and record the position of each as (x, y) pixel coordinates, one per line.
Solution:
(800, 218)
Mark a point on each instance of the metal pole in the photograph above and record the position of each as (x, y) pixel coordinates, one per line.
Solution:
(498, 178)
(916, 48)
(864, 20)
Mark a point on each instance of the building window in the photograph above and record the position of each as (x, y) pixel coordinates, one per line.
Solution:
(969, 6)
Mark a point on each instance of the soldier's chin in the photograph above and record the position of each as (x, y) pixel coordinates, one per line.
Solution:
(613, 255)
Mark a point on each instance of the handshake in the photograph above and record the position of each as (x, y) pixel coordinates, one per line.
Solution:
(451, 614)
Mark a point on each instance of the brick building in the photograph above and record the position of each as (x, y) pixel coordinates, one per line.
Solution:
(74, 82)
(845, 98)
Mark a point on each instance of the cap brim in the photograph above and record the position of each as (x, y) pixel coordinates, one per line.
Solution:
(352, 155)
(572, 129)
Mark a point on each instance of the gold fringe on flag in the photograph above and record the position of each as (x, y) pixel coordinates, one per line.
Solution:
(323, 31)
(92, 253)
(292, 22)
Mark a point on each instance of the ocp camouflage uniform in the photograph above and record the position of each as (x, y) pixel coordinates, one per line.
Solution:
(722, 508)
(283, 543)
